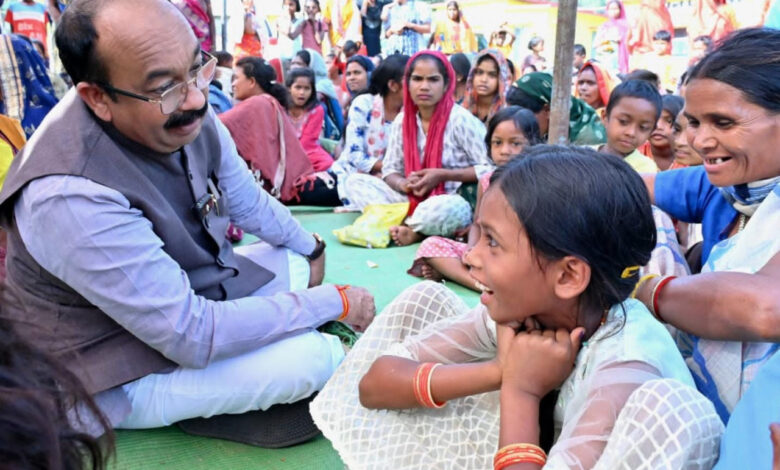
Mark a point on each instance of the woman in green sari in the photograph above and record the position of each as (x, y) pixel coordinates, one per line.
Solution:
(533, 91)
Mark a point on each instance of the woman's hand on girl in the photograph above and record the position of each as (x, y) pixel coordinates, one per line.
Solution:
(538, 361)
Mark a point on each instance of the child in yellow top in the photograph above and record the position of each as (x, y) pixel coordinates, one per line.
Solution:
(630, 117)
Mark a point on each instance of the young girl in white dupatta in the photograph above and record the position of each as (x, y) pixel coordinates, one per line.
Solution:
(556, 267)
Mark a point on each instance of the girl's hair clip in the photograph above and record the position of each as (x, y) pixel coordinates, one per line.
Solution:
(630, 271)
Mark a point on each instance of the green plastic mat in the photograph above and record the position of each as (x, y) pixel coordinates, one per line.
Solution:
(169, 448)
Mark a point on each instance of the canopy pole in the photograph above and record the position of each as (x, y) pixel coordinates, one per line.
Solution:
(564, 54)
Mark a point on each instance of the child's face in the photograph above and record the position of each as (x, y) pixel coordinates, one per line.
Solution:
(698, 50)
(300, 91)
(629, 124)
(662, 135)
(486, 78)
(683, 153)
(515, 286)
(661, 47)
(311, 9)
(506, 142)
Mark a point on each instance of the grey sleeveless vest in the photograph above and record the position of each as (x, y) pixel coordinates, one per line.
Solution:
(166, 189)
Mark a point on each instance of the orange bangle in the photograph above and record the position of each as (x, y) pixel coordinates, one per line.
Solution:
(421, 385)
(522, 457)
(519, 453)
(344, 301)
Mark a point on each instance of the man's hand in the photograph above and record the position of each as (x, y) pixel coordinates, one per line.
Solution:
(317, 271)
(362, 309)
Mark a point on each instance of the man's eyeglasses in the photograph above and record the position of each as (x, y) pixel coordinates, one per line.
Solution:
(172, 98)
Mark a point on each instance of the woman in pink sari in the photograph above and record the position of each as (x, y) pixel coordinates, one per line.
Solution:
(612, 38)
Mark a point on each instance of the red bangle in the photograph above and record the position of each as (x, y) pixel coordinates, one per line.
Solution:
(421, 385)
(344, 302)
(657, 293)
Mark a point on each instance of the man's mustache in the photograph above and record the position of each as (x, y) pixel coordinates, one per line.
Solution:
(186, 118)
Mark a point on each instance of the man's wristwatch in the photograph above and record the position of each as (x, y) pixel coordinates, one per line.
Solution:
(319, 249)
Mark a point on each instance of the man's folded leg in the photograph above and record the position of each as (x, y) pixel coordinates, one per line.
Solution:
(282, 372)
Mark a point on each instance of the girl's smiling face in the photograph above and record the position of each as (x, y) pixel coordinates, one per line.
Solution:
(513, 282)
(683, 153)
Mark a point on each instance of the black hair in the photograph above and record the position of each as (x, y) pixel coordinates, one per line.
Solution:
(662, 35)
(76, 38)
(673, 104)
(524, 121)
(439, 65)
(755, 73)
(457, 5)
(642, 74)
(517, 97)
(224, 59)
(636, 89)
(304, 56)
(350, 45)
(390, 70)
(297, 5)
(683, 78)
(38, 396)
(706, 40)
(461, 64)
(39, 48)
(559, 196)
(511, 66)
(316, 2)
(265, 76)
(535, 41)
(485, 57)
(579, 49)
(304, 72)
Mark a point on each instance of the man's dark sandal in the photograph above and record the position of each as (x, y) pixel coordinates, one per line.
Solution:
(282, 425)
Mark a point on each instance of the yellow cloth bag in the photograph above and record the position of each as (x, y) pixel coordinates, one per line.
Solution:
(372, 229)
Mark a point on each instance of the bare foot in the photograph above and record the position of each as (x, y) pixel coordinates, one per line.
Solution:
(774, 430)
(430, 273)
(403, 235)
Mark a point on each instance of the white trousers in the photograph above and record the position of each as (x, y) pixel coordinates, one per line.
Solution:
(284, 371)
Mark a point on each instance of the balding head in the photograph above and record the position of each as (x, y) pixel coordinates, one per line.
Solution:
(92, 31)
(124, 56)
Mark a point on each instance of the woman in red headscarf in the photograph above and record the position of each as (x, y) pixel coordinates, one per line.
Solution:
(594, 85)
(713, 18)
(653, 17)
(434, 146)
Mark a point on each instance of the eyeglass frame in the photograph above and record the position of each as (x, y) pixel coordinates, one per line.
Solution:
(186, 84)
